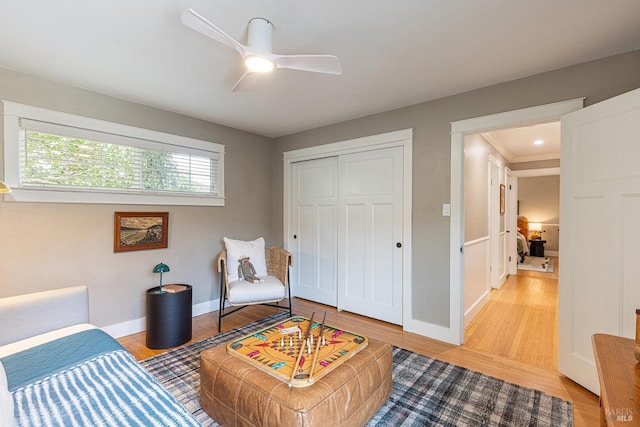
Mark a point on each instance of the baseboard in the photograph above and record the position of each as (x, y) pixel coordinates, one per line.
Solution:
(501, 281)
(126, 328)
(138, 325)
(476, 307)
(551, 253)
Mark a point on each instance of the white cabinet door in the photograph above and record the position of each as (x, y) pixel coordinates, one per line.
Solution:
(370, 233)
(314, 219)
(599, 236)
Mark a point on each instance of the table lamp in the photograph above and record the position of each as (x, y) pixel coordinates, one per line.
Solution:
(161, 268)
(536, 228)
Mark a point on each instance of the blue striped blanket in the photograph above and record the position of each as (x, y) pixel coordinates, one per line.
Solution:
(108, 388)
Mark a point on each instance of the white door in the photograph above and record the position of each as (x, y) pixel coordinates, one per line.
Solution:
(494, 222)
(600, 238)
(313, 238)
(512, 223)
(370, 234)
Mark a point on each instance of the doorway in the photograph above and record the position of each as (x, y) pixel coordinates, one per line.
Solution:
(512, 119)
(518, 318)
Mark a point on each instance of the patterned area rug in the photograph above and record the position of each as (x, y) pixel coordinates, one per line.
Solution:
(425, 391)
(534, 263)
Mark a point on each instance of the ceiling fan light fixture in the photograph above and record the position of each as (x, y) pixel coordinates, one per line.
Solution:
(258, 64)
(257, 54)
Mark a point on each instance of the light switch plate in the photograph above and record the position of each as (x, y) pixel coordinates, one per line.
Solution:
(446, 209)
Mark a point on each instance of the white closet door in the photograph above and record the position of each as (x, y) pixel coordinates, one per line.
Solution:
(370, 233)
(313, 241)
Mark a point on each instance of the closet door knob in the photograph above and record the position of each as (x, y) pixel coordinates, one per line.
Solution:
(398, 245)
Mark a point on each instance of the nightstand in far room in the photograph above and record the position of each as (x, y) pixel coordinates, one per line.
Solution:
(537, 247)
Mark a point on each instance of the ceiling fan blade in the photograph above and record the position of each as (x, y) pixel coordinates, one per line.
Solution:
(327, 64)
(199, 23)
(246, 83)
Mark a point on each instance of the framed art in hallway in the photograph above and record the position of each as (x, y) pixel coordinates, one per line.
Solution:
(135, 231)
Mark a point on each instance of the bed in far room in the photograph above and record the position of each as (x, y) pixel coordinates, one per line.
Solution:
(522, 246)
(522, 241)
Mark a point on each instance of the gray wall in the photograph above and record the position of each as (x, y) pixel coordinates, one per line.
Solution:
(538, 164)
(47, 246)
(539, 198)
(476, 184)
(596, 80)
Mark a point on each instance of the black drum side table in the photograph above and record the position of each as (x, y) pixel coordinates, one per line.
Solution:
(168, 317)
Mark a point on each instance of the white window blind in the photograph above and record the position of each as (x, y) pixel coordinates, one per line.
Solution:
(59, 157)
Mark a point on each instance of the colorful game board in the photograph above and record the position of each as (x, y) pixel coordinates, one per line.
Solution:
(275, 349)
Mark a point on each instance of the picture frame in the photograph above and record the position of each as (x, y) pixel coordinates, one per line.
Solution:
(502, 197)
(137, 231)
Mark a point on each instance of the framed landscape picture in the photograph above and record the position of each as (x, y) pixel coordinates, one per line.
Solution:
(135, 231)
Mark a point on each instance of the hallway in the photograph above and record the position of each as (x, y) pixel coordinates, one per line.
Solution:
(520, 321)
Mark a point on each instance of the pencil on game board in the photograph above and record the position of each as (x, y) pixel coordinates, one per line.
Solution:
(315, 356)
(306, 335)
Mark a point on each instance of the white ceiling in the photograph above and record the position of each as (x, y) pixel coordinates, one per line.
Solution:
(517, 144)
(393, 53)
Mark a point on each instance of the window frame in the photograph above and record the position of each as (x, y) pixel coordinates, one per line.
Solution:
(14, 112)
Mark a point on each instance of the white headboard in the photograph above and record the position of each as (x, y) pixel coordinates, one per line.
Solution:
(24, 316)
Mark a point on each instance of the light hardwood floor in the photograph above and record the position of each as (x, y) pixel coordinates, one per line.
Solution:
(520, 321)
(586, 409)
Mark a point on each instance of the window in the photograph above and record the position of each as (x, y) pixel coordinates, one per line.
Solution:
(59, 157)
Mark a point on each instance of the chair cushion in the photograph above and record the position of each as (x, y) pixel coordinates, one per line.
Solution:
(243, 292)
(253, 249)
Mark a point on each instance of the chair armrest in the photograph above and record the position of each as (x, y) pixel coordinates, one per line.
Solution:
(278, 262)
(222, 261)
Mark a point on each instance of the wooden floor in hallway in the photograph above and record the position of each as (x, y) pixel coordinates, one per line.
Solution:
(520, 322)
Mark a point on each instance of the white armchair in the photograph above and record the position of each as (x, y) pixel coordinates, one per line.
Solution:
(239, 293)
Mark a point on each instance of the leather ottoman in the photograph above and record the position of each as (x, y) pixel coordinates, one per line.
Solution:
(234, 393)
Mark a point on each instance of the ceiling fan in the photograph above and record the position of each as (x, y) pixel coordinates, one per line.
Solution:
(257, 53)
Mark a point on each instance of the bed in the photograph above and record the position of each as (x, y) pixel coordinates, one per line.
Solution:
(522, 246)
(522, 241)
(76, 374)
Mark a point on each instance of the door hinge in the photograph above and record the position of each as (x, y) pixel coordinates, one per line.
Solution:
(509, 259)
